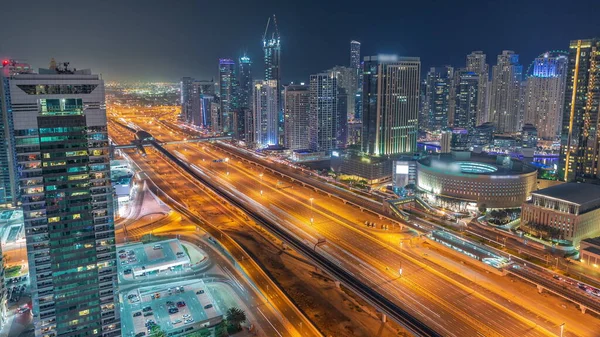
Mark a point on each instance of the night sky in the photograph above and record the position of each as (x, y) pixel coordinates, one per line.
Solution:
(165, 40)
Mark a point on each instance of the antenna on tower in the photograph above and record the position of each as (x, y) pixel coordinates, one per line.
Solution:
(266, 29)
(276, 29)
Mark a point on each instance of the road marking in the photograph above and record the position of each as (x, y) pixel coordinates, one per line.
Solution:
(271, 324)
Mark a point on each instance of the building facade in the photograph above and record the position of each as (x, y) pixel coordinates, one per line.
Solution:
(579, 144)
(505, 94)
(323, 112)
(9, 189)
(296, 114)
(266, 112)
(390, 104)
(545, 95)
(62, 151)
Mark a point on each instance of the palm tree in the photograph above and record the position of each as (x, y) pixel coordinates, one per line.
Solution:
(235, 316)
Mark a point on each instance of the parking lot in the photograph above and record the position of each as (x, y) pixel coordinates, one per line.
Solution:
(151, 259)
(183, 307)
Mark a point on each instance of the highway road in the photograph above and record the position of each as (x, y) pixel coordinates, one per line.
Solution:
(377, 263)
(451, 308)
(286, 320)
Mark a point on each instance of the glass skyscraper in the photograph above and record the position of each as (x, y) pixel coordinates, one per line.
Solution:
(227, 94)
(62, 152)
(437, 96)
(272, 60)
(245, 83)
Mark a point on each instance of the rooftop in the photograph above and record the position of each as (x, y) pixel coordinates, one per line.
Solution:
(594, 241)
(572, 192)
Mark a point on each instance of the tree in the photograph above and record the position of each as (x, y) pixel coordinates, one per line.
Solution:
(157, 332)
(235, 316)
(482, 208)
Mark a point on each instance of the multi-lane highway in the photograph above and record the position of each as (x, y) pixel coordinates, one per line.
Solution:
(447, 305)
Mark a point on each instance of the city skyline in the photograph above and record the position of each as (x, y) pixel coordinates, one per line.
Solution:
(123, 50)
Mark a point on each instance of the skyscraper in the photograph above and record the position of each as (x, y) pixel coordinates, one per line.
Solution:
(323, 111)
(545, 94)
(272, 59)
(466, 99)
(437, 95)
(296, 111)
(355, 55)
(201, 92)
(579, 137)
(476, 62)
(245, 83)
(506, 90)
(347, 85)
(355, 93)
(390, 104)
(186, 86)
(227, 94)
(61, 143)
(265, 110)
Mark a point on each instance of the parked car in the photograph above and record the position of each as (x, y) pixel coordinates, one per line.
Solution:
(199, 292)
(180, 304)
(147, 309)
(208, 306)
(137, 314)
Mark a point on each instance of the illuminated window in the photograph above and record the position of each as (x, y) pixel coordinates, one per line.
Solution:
(84, 312)
(76, 216)
(54, 219)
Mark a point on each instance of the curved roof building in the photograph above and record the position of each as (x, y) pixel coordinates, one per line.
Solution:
(497, 183)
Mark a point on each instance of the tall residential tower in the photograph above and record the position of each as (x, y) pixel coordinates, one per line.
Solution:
(506, 92)
(322, 120)
(545, 94)
(476, 62)
(580, 143)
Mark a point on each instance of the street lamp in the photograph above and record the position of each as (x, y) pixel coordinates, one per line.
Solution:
(311, 210)
(261, 183)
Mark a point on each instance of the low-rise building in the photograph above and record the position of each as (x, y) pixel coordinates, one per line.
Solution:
(589, 252)
(569, 211)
